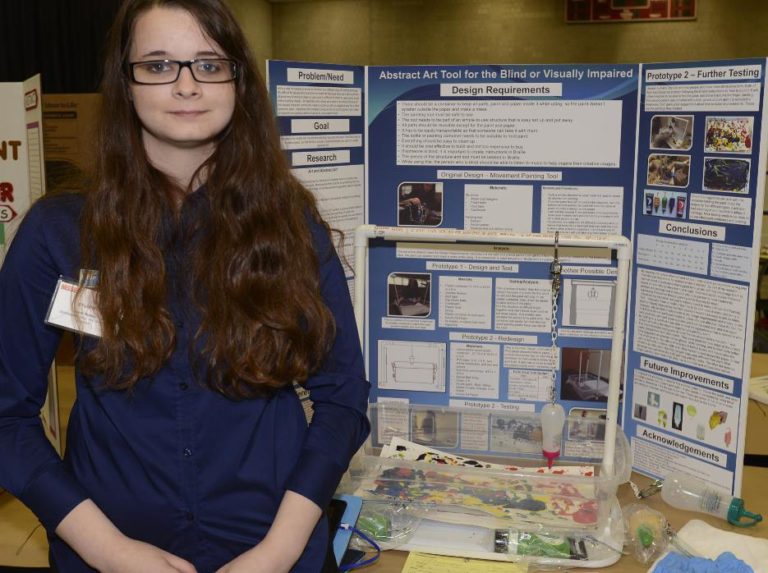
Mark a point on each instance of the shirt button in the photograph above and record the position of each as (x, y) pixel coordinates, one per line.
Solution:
(187, 452)
(179, 324)
(184, 386)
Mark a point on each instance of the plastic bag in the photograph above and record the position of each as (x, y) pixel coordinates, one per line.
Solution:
(646, 532)
(389, 525)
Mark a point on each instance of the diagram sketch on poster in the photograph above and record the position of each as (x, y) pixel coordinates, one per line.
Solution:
(413, 366)
(588, 303)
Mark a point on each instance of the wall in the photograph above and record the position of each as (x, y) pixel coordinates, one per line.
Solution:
(336, 31)
(255, 16)
(388, 32)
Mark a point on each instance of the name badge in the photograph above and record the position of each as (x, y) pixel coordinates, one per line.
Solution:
(78, 315)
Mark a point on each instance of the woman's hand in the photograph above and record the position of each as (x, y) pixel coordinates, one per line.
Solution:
(285, 540)
(257, 560)
(132, 556)
(96, 539)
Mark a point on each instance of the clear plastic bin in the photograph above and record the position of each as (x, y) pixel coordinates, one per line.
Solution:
(488, 478)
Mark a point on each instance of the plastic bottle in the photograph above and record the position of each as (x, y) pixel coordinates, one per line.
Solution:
(552, 422)
(691, 494)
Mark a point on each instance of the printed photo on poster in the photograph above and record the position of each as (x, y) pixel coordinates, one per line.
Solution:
(419, 204)
(435, 428)
(409, 294)
(510, 433)
(669, 170)
(586, 424)
(729, 175)
(671, 204)
(585, 374)
(671, 132)
(677, 416)
(729, 134)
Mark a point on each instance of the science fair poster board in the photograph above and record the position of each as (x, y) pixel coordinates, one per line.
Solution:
(22, 181)
(22, 174)
(701, 151)
(319, 108)
(515, 148)
(569, 148)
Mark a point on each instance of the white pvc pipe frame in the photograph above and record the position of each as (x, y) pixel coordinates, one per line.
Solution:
(622, 246)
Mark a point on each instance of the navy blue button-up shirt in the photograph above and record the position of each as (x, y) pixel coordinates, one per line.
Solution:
(172, 463)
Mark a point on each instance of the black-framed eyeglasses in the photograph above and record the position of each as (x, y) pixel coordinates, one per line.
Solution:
(204, 70)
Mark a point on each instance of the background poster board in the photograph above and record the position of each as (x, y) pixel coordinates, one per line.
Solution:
(598, 11)
(539, 149)
(68, 130)
(22, 181)
(22, 173)
(69, 121)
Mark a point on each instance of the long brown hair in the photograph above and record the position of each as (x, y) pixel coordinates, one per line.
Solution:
(254, 269)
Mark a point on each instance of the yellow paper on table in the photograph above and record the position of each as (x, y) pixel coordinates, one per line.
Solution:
(424, 563)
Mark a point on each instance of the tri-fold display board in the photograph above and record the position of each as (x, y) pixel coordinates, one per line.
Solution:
(671, 156)
(22, 182)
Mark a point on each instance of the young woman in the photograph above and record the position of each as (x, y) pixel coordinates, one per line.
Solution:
(216, 287)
